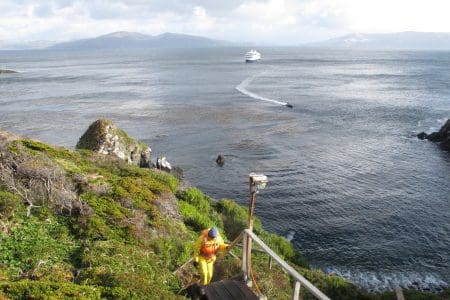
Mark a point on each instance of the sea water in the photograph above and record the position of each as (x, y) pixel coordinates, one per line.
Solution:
(349, 183)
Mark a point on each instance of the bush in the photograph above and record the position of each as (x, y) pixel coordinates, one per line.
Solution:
(27, 289)
(197, 199)
(10, 204)
(35, 243)
(193, 218)
(197, 211)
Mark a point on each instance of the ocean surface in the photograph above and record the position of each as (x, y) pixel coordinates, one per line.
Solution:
(349, 183)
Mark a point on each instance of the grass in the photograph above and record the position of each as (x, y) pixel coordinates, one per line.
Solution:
(117, 244)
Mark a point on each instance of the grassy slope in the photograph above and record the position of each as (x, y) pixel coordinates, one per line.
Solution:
(97, 234)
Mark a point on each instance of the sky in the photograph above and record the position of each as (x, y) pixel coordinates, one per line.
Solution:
(278, 22)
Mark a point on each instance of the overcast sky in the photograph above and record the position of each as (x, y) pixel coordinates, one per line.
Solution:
(259, 21)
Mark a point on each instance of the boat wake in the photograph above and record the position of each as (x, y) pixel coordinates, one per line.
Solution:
(242, 87)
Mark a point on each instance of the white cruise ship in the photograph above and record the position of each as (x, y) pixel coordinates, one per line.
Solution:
(252, 55)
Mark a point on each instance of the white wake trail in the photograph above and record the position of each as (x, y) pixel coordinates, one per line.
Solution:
(242, 87)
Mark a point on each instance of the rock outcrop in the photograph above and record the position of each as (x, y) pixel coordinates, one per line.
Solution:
(7, 71)
(163, 164)
(104, 137)
(442, 136)
(220, 160)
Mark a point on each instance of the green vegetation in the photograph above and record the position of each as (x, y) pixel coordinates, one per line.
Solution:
(77, 224)
(94, 134)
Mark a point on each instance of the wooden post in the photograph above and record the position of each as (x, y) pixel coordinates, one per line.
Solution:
(250, 227)
(296, 292)
(399, 293)
(244, 256)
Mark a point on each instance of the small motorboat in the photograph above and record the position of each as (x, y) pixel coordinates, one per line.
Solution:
(289, 105)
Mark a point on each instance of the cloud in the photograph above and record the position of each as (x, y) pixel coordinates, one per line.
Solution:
(269, 21)
(42, 10)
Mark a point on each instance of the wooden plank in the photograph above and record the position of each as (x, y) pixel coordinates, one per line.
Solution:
(211, 293)
(217, 290)
(229, 290)
(235, 291)
(248, 293)
(399, 293)
(222, 290)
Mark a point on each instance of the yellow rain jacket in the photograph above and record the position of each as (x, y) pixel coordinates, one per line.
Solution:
(205, 251)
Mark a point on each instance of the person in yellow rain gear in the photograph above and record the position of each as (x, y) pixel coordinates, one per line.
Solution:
(205, 249)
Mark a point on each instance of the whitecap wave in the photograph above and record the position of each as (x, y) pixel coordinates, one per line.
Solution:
(290, 235)
(242, 87)
(387, 281)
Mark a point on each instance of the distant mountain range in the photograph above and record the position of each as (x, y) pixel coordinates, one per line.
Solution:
(124, 39)
(389, 41)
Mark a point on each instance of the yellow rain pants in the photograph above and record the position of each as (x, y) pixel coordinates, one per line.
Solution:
(205, 266)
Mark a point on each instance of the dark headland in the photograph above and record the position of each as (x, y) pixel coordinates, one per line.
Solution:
(442, 137)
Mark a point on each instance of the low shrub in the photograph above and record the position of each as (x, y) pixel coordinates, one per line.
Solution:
(193, 218)
(198, 210)
(10, 204)
(40, 290)
(197, 199)
(35, 243)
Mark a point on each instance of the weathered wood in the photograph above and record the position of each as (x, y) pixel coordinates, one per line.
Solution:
(291, 271)
(399, 294)
(244, 258)
(229, 290)
(296, 292)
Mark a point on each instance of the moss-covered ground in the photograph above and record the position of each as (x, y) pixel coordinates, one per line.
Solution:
(93, 232)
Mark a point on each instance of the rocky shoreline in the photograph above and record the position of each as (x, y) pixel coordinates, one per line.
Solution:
(442, 136)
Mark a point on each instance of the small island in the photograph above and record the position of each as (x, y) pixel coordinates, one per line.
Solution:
(7, 71)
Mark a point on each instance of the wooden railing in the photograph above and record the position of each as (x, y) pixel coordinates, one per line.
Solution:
(246, 235)
(299, 280)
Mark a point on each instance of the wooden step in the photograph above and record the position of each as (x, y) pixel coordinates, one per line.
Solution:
(229, 290)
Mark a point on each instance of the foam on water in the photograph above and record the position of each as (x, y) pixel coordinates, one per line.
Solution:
(385, 281)
(290, 235)
(242, 87)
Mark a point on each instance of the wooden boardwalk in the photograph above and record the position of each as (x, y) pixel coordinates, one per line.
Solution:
(229, 290)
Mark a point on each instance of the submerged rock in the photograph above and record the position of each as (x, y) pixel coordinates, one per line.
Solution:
(104, 137)
(220, 160)
(442, 136)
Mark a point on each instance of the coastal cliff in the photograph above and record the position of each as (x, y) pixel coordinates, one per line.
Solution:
(90, 224)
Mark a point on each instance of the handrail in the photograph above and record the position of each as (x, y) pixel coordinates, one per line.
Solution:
(299, 279)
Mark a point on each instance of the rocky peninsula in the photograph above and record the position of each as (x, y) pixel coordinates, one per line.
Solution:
(442, 137)
(101, 222)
